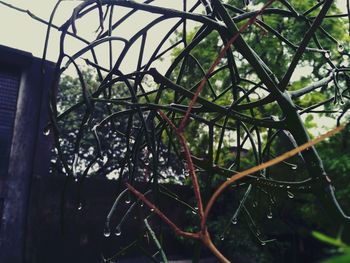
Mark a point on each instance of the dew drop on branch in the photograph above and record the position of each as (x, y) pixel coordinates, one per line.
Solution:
(106, 231)
(118, 231)
(269, 213)
(46, 131)
(290, 194)
(340, 48)
(234, 221)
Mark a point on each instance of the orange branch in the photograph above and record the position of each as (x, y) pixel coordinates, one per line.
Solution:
(257, 168)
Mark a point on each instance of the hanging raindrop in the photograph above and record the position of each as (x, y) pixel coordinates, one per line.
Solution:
(263, 243)
(234, 221)
(340, 48)
(127, 201)
(269, 214)
(106, 231)
(290, 195)
(46, 131)
(294, 167)
(80, 206)
(327, 54)
(118, 231)
(152, 209)
(222, 238)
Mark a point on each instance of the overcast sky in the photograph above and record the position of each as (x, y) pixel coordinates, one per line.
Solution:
(20, 31)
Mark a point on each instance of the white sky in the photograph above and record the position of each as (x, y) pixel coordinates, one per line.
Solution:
(20, 31)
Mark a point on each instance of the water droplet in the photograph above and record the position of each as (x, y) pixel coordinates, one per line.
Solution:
(80, 206)
(340, 48)
(288, 186)
(294, 167)
(263, 243)
(152, 209)
(290, 195)
(106, 231)
(269, 213)
(327, 54)
(194, 212)
(234, 221)
(141, 204)
(46, 131)
(118, 231)
(109, 104)
(255, 204)
(127, 201)
(222, 238)
(76, 180)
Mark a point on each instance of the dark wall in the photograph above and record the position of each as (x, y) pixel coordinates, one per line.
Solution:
(21, 111)
(60, 232)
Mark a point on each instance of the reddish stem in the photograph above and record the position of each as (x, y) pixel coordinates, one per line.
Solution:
(190, 165)
(177, 230)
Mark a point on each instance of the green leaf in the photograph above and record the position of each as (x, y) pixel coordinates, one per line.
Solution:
(338, 259)
(329, 240)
